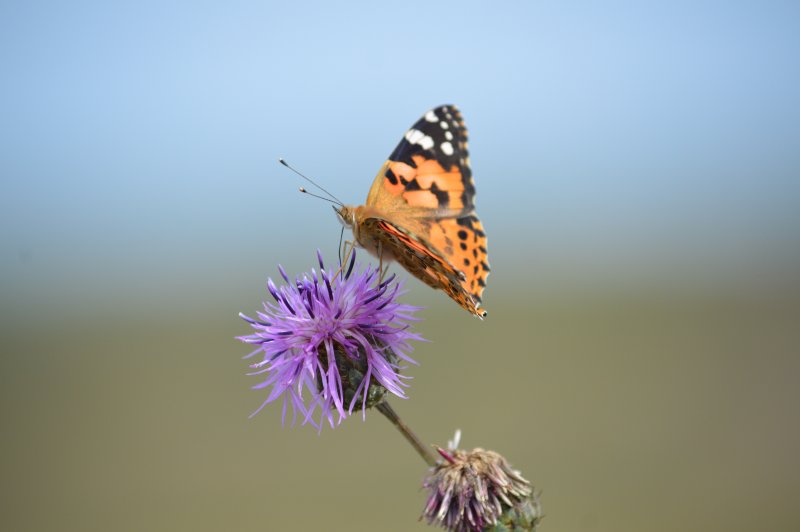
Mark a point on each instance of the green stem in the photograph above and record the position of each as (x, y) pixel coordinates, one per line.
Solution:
(423, 450)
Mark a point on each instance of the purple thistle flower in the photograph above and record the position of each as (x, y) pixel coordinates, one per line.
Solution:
(333, 342)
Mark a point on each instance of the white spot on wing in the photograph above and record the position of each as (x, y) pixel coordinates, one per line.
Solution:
(447, 148)
(430, 116)
(448, 135)
(444, 124)
(415, 136)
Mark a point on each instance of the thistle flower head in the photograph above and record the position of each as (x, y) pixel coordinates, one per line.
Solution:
(333, 342)
(478, 491)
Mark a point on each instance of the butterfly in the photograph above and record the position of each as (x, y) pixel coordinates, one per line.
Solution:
(420, 210)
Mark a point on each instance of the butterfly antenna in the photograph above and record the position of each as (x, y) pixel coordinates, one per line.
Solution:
(335, 199)
(305, 191)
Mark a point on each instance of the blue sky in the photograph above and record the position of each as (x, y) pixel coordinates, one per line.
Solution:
(141, 138)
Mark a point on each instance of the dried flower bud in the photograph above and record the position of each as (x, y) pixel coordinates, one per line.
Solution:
(478, 490)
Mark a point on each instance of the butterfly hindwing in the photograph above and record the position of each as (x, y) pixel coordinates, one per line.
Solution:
(463, 243)
(422, 260)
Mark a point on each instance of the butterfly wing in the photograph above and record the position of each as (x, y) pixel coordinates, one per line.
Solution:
(429, 169)
(424, 196)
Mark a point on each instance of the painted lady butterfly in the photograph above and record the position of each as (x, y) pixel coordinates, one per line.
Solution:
(420, 210)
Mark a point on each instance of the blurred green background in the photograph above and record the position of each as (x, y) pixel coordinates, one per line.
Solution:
(637, 173)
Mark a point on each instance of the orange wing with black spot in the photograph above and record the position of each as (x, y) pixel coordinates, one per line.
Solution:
(421, 207)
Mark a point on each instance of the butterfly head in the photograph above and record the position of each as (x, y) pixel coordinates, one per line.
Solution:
(346, 214)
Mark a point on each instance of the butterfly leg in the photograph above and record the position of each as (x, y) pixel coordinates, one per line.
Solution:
(346, 250)
(380, 262)
(383, 268)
